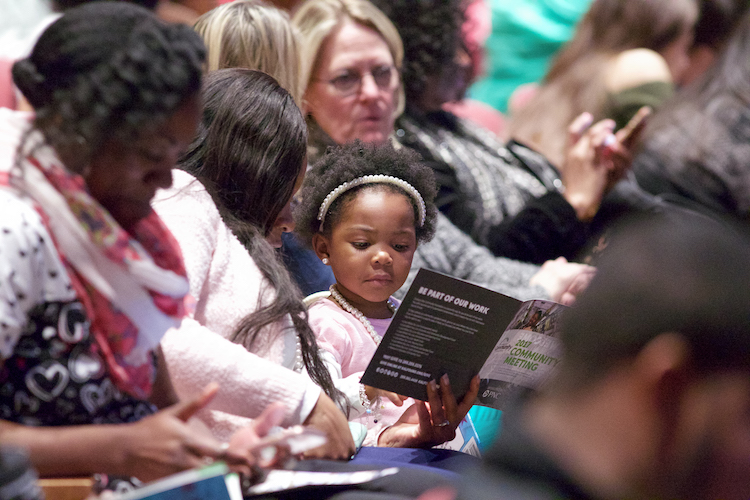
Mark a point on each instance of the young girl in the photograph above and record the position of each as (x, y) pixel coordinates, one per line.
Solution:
(364, 209)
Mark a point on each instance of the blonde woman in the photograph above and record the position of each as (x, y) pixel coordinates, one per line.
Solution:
(370, 120)
(249, 34)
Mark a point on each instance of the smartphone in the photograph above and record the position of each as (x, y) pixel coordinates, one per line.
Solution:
(298, 439)
(630, 132)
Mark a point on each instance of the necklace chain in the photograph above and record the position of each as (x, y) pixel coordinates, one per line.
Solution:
(372, 408)
(346, 306)
(299, 362)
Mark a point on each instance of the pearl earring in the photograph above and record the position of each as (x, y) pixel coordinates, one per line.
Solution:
(325, 261)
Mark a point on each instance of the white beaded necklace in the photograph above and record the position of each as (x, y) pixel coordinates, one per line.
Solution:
(346, 306)
(299, 363)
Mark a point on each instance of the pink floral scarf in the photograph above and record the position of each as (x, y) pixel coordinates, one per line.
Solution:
(133, 286)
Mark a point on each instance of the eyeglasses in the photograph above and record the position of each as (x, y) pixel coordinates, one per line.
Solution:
(350, 82)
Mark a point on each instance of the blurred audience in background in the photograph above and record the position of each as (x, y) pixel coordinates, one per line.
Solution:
(623, 55)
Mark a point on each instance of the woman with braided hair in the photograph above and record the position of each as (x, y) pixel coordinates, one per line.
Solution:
(90, 279)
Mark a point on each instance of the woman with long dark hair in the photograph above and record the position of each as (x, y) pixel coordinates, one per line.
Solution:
(233, 196)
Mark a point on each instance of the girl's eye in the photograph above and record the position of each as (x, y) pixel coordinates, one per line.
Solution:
(360, 245)
(401, 248)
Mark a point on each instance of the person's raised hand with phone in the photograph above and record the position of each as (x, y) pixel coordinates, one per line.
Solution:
(597, 159)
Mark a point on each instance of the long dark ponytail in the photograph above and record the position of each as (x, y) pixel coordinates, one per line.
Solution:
(250, 148)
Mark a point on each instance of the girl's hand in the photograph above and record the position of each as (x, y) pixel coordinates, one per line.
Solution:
(374, 393)
(425, 425)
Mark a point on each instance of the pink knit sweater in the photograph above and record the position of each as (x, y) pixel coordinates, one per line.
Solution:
(350, 350)
(226, 285)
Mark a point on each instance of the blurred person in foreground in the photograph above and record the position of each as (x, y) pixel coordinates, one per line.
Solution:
(653, 398)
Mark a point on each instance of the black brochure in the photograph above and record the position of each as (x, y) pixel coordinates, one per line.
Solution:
(447, 325)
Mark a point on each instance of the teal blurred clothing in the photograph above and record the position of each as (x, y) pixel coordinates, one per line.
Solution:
(487, 422)
(525, 36)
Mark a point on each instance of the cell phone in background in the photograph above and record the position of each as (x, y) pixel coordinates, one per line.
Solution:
(298, 439)
(628, 135)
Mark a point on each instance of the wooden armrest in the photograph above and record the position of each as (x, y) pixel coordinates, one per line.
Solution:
(66, 488)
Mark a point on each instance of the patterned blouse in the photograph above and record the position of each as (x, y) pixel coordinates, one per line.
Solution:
(51, 372)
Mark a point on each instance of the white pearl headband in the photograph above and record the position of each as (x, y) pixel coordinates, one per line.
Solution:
(372, 179)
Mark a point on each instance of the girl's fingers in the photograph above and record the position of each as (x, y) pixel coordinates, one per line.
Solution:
(471, 396)
(436, 405)
(394, 398)
(424, 415)
(449, 400)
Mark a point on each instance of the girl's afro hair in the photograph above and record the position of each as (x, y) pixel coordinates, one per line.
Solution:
(345, 163)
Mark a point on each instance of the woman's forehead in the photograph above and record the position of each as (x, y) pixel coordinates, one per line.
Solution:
(353, 44)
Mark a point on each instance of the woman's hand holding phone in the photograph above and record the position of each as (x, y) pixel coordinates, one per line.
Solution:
(597, 159)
